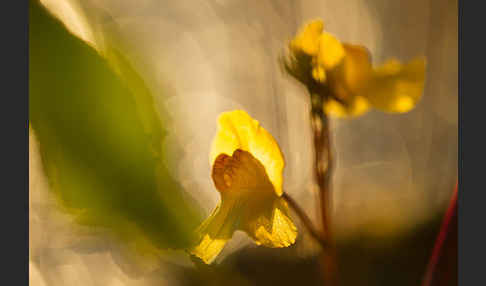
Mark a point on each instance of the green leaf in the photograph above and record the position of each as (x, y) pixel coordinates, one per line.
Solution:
(100, 139)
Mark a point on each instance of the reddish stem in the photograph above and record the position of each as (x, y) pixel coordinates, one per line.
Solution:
(441, 238)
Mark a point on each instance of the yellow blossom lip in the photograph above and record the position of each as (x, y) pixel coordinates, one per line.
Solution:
(331, 52)
(237, 130)
(307, 40)
(343, 73)
(247, 170)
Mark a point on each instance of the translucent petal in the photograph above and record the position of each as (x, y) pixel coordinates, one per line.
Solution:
(241, 175)
(248, 202)
(217, 229)
(307, 40)
(237, 130)
(331, 51)
(347, 82)
(271, 227)
(395, 87)
(357, 106)
(356, 68)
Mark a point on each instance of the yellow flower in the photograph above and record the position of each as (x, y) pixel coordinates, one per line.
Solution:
(247, 168)
(308, 39)
(344, 76)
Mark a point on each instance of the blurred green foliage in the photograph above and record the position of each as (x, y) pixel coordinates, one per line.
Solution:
(101, 138)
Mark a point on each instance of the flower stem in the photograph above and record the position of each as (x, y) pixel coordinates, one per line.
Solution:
(318, 236)
(322, 171)
(445, 231)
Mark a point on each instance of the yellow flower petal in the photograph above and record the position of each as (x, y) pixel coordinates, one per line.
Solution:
(272, 227)
(395, 87)
(331, 51)
(322, 63)
(355, 71)
(241, 175)
(237, 130)
(216, 230)
(248, 202)
(356, 107)
(242, 178)
(307, 40)
(347, 81)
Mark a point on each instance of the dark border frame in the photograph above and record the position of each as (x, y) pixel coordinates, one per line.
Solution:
(14, 213)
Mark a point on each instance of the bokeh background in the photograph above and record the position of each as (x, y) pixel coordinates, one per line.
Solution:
(394, 174)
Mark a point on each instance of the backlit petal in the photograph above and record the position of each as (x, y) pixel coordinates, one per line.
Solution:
(272, 227)
(347, 82)
(217, 229)
(307, 40)
(241, 175)
(331, 51)
(356, 68)
(248, 202)
(395, 87)
(357, 106)
(237, 130)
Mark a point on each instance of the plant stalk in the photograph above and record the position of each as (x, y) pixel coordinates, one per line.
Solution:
(444, 233)
(322, 171)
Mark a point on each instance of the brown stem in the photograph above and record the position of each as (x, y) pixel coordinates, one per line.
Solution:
(318, 236)
(322, 171)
